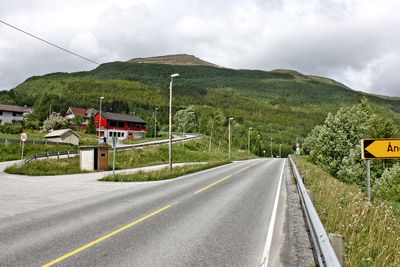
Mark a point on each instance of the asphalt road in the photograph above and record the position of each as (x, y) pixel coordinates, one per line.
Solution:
(219, 217)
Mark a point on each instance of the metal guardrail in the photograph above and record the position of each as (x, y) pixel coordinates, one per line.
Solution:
(155, 143)
(14, 141)
(52, 154)
(325, 254)
(126, 147)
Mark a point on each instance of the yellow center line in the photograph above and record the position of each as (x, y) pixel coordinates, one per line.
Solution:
(227, 177)
(208, 186)
(104, 237)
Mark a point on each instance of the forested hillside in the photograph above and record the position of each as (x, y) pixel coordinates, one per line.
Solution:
(282, 104)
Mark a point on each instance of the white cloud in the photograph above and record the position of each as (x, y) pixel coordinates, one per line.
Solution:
(355, 41)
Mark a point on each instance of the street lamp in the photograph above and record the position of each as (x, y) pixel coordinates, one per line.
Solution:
(229, 137)
(101, 98)
(248, 146)
(170, 120)
(271, 147)
(155, 123)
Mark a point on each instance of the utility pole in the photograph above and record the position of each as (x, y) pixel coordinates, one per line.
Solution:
(170, 122)
(271, 147)
(248, 145)
(155, 123)
(229, 138)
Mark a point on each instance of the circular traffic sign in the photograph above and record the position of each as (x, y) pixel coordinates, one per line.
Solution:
(24, 136)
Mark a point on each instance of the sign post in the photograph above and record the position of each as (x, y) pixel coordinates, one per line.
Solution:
(378, 149)
(24, 136)
(114, 142)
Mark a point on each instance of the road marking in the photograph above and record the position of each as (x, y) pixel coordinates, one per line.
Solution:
(242, 170)
(267, 248)
(217, 182)
(104, 237)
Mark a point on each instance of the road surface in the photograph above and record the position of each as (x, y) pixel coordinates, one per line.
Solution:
(231, 215)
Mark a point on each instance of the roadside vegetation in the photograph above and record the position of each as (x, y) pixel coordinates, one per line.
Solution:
(162, 174)
(46, 167)
(371, 231)
(193, 151)
(9, 151)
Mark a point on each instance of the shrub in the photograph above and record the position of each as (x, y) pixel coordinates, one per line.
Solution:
(388, 187)
(10, 128)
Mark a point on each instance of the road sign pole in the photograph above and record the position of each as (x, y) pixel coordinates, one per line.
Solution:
(368, 167)
(22, 151)
(115, 152)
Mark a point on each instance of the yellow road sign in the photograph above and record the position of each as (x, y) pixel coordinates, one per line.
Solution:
(380, 148)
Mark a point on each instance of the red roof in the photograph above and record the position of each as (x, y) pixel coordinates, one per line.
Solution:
(78, 111)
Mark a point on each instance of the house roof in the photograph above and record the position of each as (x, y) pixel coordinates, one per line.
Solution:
(59, 133)
(122, 117)
(13, 108)
(78, 111)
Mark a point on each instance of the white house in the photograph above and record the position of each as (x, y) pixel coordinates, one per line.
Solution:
(67, 136)
(13, 114)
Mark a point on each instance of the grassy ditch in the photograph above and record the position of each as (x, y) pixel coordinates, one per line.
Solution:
(46, 167)
(162, 174)
(372, 232)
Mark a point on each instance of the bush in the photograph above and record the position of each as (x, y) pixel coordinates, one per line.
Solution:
(10, 128)
(388, 187)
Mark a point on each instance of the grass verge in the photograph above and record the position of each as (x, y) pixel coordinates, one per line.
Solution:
(46, 167)
(162, 174)
(372, 232)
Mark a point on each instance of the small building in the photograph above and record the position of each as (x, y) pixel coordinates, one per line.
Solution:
(66, 136)
(122, 126)
(72, 112)
(13, 114)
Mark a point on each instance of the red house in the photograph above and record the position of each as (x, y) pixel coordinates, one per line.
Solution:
(120, 125)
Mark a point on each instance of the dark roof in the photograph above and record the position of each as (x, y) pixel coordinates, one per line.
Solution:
(13, 108)
(122, 117)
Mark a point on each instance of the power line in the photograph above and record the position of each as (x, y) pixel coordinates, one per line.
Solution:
(40, 39)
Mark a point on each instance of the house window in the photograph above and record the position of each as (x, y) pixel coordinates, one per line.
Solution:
(109, 134)
(122, 134)
(121, 124)
(1, 113)
(113, 124)
(17, 114)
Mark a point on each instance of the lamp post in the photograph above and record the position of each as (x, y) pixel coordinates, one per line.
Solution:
(248, 146)
(229, 138)
(271, 147)
(155, 123)
(280, 145)
(101, 98)
(170, 121)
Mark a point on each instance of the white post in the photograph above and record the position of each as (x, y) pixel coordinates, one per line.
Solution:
(115, 152)
(280, 150)
(101, 98)
(229, 138)
(170, 122)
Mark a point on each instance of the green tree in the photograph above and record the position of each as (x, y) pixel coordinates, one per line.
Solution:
(185, 119)
(91, 127)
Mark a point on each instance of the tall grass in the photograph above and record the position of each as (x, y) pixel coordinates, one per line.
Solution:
(13, 151)
(371, 231)
(46, 167)
(162, 174)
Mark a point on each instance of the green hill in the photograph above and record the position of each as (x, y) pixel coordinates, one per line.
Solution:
(281, 104)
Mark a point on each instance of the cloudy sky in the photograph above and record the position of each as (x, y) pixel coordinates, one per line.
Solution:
(356, 42)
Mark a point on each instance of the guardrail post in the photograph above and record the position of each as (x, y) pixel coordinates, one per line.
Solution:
(47, 154)
(68, 153)
(58, 154)
(337, 242)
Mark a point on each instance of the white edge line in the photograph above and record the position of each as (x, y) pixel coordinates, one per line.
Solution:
(267, 248)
